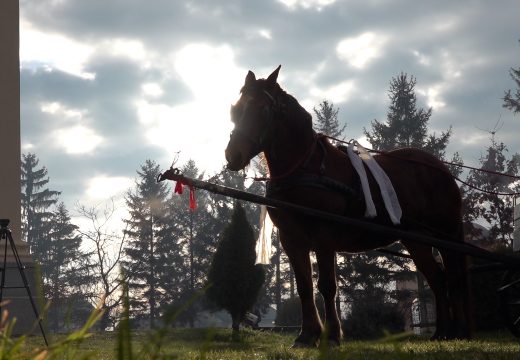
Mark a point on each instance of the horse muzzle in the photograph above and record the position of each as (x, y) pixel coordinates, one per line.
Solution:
(234, 161)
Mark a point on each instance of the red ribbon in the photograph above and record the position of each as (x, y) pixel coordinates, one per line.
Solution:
(179, 189)
(193, 205)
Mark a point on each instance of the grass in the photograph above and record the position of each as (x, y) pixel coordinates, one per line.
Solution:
(219, 344)
(213, 344)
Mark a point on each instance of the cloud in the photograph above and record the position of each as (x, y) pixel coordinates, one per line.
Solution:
(358, 51)
(306, 4)
(37, 47)
(77, 139)
(103, 187)
(133, 80)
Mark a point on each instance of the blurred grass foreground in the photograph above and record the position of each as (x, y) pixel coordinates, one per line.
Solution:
(175, 343)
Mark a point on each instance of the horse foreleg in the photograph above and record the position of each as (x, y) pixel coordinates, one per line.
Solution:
(311, 325)
(327, 286)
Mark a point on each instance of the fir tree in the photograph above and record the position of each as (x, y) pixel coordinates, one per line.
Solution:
(234, 278)
(512, 99)
(61, 273)
(189, 249)
(37, 201)
(406, 125)
(327, 120)
(496, 210)
(146, 205)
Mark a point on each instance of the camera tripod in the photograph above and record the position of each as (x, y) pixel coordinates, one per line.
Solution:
(5, 234)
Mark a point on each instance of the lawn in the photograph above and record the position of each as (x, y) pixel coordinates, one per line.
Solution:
(213, 344)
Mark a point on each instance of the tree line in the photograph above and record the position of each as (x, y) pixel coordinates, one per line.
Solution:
(165, 251)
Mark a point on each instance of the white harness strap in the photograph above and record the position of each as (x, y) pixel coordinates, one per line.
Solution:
(385, 185)
(370, 211)
(263, 244)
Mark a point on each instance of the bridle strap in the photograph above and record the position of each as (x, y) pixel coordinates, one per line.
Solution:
(259, 144)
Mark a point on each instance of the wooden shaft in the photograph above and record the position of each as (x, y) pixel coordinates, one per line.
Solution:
(464, 248)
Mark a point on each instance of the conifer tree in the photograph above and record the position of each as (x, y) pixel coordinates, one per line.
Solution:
(406, 125)
(327, 120)
(61, 273)
(496, 210)
(37, 201)
(146, 205)
(234, 279)
(512, 99)
(188, 250)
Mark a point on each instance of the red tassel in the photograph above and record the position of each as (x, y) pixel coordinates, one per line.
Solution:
(193, 205)
(178, 187)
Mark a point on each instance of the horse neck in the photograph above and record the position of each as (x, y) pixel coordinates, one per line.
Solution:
(293, 140)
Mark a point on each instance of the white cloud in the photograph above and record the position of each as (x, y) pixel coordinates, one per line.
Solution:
(152, 89)
(471, 138)
(199, 128)
(306, 4)
(130, 48)
(434, 98)
(53, 50)
(104, 187)
(61, 111)
(360, 50)
(336, 93)
(210, 72)
(266, 34)
(421, 58)
(77, 139)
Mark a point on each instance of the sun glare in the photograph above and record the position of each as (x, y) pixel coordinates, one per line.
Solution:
(198, 129)
(77, 139)
(37, 46)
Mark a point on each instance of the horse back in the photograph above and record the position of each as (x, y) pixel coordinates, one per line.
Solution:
(424, 185)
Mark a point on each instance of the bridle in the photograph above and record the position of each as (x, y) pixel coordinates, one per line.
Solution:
(272, 111)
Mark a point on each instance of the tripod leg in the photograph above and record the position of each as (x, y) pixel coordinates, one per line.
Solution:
(26, 283)
(4, 269)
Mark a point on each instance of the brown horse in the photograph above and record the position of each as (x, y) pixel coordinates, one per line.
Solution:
(306, 169)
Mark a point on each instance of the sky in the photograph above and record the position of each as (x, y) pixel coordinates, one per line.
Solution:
(106, 85)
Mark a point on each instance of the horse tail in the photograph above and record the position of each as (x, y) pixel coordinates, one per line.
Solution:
(467, 285)
(459, 288)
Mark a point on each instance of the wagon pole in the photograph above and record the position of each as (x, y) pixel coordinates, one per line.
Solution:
(175, 175)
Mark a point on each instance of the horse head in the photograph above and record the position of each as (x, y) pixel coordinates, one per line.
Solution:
(253, 116)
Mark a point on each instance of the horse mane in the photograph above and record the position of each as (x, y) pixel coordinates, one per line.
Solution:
(293, 108)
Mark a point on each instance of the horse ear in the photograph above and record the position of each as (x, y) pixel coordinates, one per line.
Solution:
(271, 80)
(250, 78)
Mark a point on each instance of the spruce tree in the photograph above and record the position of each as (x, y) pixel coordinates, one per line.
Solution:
(234, 279)
(327, 120)
(496, 210)
(406, 125)
(145, 229)
(61, 271)
(189, 249)
(512, 99)
(37, 202)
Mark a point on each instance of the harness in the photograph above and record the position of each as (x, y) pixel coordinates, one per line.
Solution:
(302, 177)
(297, 175)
